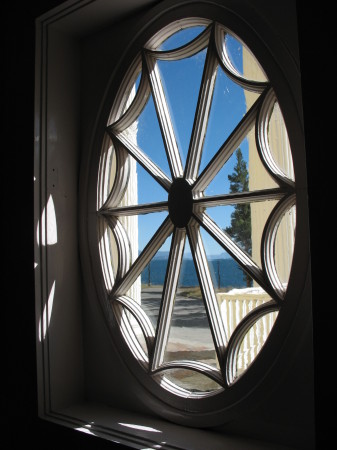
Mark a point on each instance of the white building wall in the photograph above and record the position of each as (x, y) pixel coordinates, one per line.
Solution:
(260, 179)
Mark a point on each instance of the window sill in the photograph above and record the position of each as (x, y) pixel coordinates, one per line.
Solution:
(142, 431)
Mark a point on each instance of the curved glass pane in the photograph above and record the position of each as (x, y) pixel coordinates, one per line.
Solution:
(181, 38)
(108, 253)
(107, 171)
(253, 341)
(279, 142)
(284, 245)
(191, 380)
(243, 60)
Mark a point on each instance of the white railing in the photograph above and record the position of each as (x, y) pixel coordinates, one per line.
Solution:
(234, 306)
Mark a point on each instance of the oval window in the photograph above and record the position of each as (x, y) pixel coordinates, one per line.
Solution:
(196, 209)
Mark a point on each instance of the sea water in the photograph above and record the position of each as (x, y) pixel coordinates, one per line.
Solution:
(224, 272)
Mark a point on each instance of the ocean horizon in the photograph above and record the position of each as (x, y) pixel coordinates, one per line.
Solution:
(224, 272)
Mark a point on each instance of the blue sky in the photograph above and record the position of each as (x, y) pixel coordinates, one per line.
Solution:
(181, 81)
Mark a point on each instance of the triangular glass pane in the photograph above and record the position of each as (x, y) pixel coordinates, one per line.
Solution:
(235, 220)
(221, 182)
(181, 82)
(142, 187)
(246, 168)
(148, 224)
(225, 271)
(190, 336)
(147, 289)
(180, 38)
(149, 191)
(140, 229)
(244, 223)
(237, 293)
(152, 282)
(145, 133)
(229, 105)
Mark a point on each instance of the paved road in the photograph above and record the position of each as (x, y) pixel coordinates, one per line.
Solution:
(190, 336)
(187, 312)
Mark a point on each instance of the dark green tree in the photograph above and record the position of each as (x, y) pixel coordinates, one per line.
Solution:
(240, 229)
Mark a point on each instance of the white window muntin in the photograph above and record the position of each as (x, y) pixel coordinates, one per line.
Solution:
(212, 38)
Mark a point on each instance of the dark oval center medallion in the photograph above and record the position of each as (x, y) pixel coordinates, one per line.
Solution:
(180, 202)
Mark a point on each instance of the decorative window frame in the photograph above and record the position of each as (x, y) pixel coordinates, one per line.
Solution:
(67, 311)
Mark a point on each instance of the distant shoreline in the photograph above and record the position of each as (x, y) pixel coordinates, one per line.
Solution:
(155, 287)
(225, 273)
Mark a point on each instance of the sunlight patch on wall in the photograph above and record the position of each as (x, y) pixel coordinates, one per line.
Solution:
(140, 427)
(49, 226)
(46, 315)
(85, 429)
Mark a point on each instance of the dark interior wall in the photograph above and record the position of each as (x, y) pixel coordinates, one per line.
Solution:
(23, 427)
(315, 39)
(316, 43)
